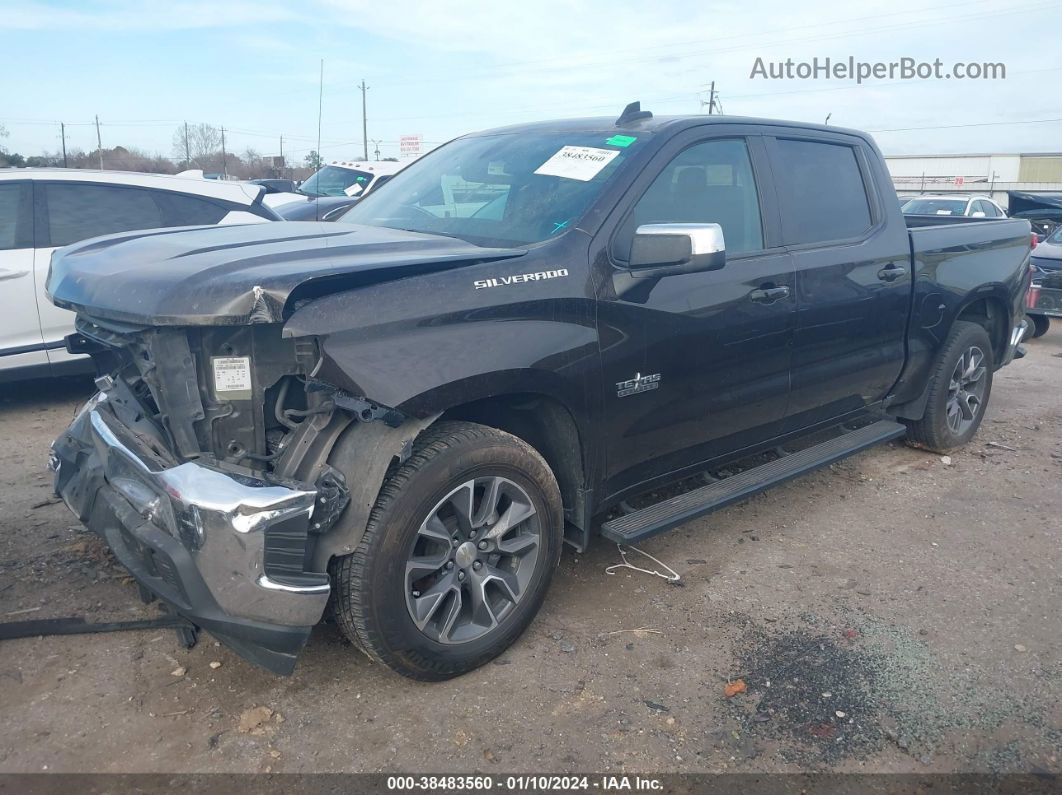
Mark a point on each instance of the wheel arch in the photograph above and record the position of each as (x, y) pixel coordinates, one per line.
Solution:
(550, 427)
(365, 453)
(988, 311)
(991, 313)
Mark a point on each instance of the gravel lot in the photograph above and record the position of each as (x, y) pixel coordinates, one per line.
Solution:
(891, 613)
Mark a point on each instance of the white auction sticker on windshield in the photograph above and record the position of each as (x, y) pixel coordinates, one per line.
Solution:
(232, 376)
(577, 162)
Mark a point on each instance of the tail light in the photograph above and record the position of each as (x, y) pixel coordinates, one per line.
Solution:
(1035, 240)
(1032, 296)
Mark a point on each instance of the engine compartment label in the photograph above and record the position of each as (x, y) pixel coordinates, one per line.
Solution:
(232, 375)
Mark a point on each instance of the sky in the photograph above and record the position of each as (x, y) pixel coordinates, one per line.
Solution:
(443, 68)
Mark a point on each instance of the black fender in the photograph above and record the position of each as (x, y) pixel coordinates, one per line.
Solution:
(438, 342)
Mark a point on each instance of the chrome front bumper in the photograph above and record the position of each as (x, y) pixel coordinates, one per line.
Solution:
(194, 534)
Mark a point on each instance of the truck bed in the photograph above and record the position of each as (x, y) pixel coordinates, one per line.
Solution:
(968, 236)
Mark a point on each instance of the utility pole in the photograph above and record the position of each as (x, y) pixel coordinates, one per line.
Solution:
(711, 103)
(99, 141)
(376, 143)
(187, 148)
(62, 132)
(224, 165)
(320, 111)
(364, 121)
(280, 171)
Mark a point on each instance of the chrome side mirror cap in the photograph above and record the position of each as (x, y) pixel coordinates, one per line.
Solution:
(660, 249)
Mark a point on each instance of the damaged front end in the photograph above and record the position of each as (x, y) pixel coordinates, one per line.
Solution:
(203, 463)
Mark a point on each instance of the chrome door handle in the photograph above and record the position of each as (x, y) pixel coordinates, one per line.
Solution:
(768, 295)
(891, 272)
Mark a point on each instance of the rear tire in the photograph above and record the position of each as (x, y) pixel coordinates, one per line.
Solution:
(1040, 325)
(959, 387)
(449, 574)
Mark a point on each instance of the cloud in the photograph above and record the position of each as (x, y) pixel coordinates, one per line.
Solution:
(128, 15)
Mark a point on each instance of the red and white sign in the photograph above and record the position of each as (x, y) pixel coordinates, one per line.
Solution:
(958, 182)
(409, 145)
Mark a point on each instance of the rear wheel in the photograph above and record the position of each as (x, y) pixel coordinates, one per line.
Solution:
(959, 388)
(457, 556)
(1040, 325)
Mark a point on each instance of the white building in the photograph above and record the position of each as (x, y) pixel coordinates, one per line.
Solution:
(984, 174)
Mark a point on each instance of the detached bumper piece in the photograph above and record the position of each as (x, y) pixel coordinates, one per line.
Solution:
(197, 537)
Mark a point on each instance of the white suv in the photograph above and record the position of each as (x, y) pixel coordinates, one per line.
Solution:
(42, 209)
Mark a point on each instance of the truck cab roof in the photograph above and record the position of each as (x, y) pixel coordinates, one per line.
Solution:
(658, 124)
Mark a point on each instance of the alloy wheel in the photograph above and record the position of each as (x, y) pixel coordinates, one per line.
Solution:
(472, 560)
(966, 390)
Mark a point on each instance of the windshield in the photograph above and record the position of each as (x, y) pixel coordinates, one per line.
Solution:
(334, 181)
(935, 207)
(501, 190)
(1055, 236)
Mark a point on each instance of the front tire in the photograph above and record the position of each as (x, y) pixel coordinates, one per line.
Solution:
(457, 556)
(959, 388)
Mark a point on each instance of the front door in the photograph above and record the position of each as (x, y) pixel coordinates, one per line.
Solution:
(696, 364)
(21, 343)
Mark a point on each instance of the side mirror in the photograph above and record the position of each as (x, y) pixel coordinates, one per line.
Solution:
(661, 249)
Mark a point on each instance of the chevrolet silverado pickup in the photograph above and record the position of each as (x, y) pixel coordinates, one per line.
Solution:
(400, 418)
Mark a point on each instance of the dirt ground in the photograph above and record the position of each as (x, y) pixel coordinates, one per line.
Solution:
(894, 612)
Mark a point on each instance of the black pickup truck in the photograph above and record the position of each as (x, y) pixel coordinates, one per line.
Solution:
(401, 417)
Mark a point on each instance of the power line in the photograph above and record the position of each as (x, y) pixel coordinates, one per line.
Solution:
(972, 124)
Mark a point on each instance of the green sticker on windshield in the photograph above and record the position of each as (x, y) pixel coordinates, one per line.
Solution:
(621, 140)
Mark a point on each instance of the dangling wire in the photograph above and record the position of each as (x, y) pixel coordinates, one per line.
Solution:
(626, 564)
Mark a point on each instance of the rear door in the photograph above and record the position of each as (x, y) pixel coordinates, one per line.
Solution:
(851, 259)
(696, 364)
(21, 343)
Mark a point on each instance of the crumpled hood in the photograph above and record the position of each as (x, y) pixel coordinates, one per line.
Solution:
(234, 275)
(1049, 251)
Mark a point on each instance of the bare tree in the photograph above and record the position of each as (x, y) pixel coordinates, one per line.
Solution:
(3, 134)
(249, 165)
(195, 143)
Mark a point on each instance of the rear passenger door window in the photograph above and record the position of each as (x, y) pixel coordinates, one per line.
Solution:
(79, 211)
(822, 191)
(181, 210)
(709, 182)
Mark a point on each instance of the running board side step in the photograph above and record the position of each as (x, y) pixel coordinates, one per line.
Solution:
(672, 512)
